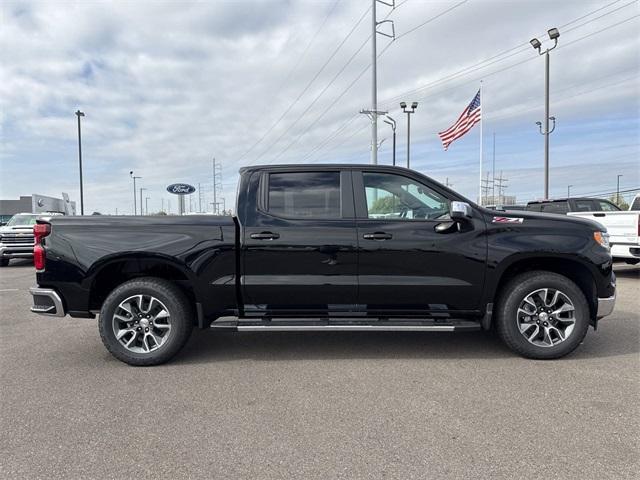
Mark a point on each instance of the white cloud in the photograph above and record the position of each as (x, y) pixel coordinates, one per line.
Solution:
(167, 86)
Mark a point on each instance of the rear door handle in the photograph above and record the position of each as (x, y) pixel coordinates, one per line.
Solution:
(377, 236)
(265, 236)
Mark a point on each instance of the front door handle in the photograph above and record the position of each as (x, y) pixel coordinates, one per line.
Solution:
(377, 236)
(265, 236)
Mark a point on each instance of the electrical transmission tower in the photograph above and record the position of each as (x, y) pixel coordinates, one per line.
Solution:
(501, 185)
(216, 178)
(486, 187)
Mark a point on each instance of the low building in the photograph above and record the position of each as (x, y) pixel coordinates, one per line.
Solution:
(36, 204)
(499, 200)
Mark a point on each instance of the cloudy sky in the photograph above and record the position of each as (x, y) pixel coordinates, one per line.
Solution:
(167, 86)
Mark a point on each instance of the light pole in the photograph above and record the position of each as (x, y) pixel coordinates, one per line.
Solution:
(554, 34)
(141, 189)
(392, 122)
(80, 114)
(569, 191)
(618, 190)
(135, 210)
(146, 204)
(403, 105)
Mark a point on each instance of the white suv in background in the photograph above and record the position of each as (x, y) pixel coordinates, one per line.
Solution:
(16, 237)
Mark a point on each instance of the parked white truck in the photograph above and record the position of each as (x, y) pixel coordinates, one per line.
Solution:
(16, 237)
(624, 231)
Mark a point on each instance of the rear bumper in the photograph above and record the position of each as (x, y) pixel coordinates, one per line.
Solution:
(46, 302)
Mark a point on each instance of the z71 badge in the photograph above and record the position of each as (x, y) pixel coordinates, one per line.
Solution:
(508, 220)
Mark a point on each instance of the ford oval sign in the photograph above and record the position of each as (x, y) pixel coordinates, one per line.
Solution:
(181, 189)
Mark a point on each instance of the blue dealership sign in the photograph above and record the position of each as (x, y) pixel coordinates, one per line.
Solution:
(181, 188)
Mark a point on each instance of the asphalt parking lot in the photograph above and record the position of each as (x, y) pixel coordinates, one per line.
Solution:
(332, 405)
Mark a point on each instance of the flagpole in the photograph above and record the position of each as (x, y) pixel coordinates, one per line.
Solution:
(481, 121)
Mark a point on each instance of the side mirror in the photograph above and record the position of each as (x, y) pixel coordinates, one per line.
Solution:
(460, 211)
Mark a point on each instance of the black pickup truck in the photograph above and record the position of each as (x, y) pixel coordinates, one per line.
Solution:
(328, 247)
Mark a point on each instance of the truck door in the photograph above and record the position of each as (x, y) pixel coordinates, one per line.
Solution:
(412, 258)
(299, 242)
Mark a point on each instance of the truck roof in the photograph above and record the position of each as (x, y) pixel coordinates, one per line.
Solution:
(323, 166)
(550, 200)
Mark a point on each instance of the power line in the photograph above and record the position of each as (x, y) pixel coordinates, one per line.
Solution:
(322, 92)
(361, 74)
(478, 66)
(495, 58)
(306, 88)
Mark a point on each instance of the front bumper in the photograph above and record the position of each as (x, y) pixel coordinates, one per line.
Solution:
(16, 250)
(622, 250)
(605, 306)
(46, 302)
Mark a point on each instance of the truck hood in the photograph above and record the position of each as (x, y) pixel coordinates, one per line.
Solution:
(17, 229)
(551, 217)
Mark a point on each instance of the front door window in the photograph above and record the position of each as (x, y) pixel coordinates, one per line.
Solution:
(395, 197)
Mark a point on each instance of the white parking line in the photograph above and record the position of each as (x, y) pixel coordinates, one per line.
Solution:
(9, 289)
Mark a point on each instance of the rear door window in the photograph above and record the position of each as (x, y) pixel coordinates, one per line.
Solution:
(304, 195)
(555, 207)
(585, 206)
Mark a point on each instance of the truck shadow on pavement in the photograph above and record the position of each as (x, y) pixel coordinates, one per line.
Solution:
(212, 346)
(215, 346)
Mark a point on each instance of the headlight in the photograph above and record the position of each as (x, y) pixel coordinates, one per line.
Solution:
(602, 238)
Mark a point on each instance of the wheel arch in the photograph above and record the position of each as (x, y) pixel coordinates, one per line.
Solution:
(573, 269)
(114, 271)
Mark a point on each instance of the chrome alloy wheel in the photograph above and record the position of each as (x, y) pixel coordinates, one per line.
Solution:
(141, 323)
(546, 317)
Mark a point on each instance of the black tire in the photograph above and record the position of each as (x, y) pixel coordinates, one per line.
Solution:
(507, 310)
(176, 303)
(4, 262)
(632, 261)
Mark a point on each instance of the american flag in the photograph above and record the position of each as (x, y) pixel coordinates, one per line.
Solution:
(469, 117)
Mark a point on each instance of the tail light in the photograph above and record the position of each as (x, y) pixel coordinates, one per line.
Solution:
(40, 230)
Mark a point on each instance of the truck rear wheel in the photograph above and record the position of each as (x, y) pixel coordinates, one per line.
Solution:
(4, 262)
(145, 321)
(542, 315)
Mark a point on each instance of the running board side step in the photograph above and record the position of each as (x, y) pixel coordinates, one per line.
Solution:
(333, 326)
(345, 328)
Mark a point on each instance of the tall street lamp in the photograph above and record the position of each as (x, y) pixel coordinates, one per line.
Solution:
(141, 189)
(392, 122)
(569, 191)
(146, 204)
(554, 34)
(135, 209)
(618, 190)
(80, 114)
(403, 105)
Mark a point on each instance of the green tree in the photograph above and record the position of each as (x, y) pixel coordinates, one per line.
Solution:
(619, 201)
(384, 205)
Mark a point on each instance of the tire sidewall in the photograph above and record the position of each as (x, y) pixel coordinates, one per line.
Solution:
(181, 322)
(522, 287)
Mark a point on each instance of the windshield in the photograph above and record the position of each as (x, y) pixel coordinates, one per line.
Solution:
(22, 220)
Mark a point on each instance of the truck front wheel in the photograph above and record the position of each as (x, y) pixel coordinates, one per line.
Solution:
(145, 321)
(542, 315)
